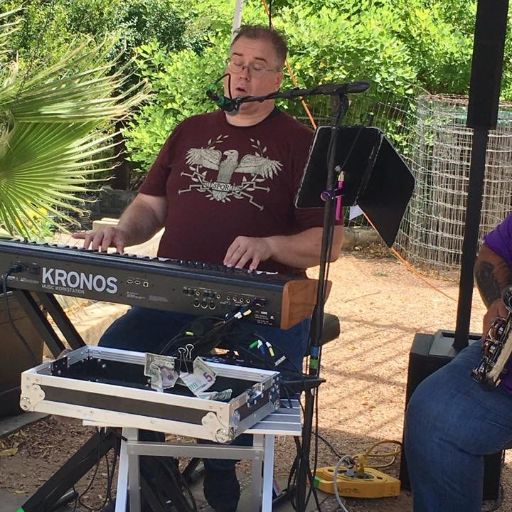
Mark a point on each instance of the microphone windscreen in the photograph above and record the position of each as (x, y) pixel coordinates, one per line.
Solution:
(212, 95)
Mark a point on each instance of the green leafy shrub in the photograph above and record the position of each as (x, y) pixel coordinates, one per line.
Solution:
(399, 46)
(179, 82)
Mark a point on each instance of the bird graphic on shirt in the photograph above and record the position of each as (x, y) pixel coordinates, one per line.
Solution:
(227, 163)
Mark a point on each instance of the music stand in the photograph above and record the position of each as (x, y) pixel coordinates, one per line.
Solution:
(376, 178)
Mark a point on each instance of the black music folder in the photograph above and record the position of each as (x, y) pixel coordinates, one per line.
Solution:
(375, 176)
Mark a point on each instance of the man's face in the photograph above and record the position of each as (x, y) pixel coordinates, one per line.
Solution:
(253, 71)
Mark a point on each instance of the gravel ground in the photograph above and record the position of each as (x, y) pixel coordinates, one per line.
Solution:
(381, 306)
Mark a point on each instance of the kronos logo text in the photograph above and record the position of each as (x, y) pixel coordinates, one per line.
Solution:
(77, 282)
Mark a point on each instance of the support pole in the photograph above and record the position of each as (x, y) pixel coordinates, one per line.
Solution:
(470, 242)
(237, 17)
(484, 96)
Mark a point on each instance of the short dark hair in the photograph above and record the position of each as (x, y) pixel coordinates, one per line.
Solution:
(271, 35)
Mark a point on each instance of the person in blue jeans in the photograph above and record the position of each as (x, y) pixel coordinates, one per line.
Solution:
(223, 188)
(452, 421)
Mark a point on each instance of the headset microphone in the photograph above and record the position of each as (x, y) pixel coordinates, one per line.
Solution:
(230, 106)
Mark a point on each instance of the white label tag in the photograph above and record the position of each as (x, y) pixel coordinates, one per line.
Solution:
(354, 212)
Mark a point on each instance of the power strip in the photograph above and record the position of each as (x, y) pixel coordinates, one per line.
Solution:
(373, 483)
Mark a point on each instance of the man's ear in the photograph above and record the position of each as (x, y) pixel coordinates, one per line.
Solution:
(279, 79)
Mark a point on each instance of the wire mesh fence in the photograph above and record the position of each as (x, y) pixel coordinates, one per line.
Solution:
(430, 134)
(432, 231)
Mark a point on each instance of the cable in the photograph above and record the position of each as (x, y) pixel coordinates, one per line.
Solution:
(359, 462)
(368, 454)
(110, 470)
(190, 331)
(207, 337)
(329, 445)
(339, 499)
(110, 475)
(78, 500)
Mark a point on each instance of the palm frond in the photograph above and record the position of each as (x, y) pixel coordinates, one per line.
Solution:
(7, 29)
(44, 169)
(52, 147)
(51, 95)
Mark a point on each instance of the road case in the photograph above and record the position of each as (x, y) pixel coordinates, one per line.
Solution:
(109, 386)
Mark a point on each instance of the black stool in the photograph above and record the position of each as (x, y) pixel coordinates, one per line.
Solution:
(331, 328)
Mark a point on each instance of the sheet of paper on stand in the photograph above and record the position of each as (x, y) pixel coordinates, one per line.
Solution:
(354, 212)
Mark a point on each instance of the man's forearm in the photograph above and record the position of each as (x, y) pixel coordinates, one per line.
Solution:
(492, 275)
(139, 222)
(303, 249)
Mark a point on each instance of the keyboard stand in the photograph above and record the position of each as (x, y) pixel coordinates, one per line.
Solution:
(49, 494)
(31, 301)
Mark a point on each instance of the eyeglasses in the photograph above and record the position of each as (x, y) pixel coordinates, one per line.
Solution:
(255, 68)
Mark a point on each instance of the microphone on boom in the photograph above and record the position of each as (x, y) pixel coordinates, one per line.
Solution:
(229, 105)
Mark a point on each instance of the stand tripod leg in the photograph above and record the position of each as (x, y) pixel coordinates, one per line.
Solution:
(193, 471)
(303, 468)
(70, 473)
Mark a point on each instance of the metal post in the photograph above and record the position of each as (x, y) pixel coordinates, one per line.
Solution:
(237, 17)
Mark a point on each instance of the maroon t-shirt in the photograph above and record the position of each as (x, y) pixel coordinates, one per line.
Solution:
(222, 181)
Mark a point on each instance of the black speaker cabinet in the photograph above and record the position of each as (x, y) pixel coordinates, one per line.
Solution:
(15, 357)
(430, 352)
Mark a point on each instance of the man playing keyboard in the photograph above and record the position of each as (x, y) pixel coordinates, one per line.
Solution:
(223, 188)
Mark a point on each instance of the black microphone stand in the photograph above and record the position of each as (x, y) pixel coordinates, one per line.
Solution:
(330, 197)
(303, 471)
(233, 104)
